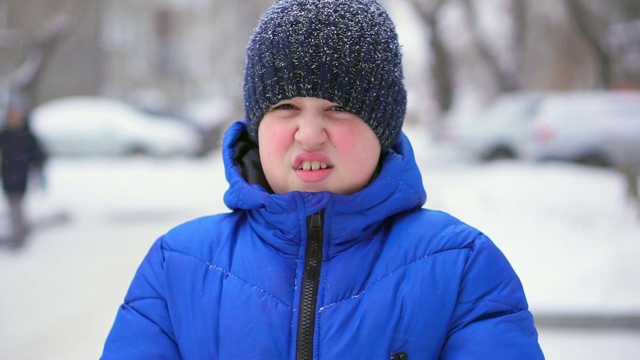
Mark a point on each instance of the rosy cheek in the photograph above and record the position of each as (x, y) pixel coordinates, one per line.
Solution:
(357, 143)
(344, 138)
(354, 140)
(281, 138)
(275, 137)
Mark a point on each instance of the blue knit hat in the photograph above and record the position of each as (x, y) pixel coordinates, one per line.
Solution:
(343, 51)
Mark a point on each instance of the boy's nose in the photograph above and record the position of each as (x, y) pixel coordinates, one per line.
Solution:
(311, 132)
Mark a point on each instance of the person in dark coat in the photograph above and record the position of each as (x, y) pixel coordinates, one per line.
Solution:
(22, 157)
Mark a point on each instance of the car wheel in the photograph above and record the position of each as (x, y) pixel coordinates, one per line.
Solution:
(500, 153)
(136, 150)
(595, 159)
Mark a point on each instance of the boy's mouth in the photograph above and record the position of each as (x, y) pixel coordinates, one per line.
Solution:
(313, 165)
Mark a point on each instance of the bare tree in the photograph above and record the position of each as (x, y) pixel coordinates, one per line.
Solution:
(40, 45)
(29, 74)
(589, 27)
(519, 13)
(630, 9)
(519, 10)
(505, 79)
(441, 70)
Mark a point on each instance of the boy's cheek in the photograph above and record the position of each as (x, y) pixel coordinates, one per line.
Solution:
(278, 141)
(350, 137)
(344, 139)
(275, 134)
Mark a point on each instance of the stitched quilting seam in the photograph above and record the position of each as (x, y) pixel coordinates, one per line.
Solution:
(381, 278)
(227, 273)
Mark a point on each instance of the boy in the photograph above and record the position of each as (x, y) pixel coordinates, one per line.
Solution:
(327, 253)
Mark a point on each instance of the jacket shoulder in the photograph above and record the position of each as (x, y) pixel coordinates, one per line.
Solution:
(201, 237)
(438, 230)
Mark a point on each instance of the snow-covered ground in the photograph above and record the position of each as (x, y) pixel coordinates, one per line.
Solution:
(566, 229)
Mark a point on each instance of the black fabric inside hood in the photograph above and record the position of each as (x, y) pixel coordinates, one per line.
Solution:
(247, 159)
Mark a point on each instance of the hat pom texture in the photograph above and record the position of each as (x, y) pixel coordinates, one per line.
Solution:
(343, 51)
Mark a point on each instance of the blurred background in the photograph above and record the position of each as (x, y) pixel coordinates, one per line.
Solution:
(525, 117)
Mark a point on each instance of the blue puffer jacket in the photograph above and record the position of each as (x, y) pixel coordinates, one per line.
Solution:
(371, 275)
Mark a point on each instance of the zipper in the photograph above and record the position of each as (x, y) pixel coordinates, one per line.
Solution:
(400, 356)
(309, 291)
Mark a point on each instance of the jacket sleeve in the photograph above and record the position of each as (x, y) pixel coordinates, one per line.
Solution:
(142, 328)
(491, 319)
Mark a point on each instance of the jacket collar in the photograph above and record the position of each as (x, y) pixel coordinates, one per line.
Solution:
(281, 218)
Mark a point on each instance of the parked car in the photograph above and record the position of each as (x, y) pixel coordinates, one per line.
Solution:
(590, 127)
(212, 116)
(100, 126)
(497, 131)
(599, 128)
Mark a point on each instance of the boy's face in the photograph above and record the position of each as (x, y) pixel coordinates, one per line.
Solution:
(310, 144)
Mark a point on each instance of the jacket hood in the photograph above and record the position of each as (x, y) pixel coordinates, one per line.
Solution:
(398, 187)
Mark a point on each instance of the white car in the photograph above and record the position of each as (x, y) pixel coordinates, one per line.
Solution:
(497, 131)
(97, 126)
(212, 116)
(590, 127)
(597, 128)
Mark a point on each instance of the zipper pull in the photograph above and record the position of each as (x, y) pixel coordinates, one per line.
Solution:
(400, 356)
(316, 221)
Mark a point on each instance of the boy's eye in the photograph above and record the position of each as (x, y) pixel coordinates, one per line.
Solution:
(284, 106)
(339, 108)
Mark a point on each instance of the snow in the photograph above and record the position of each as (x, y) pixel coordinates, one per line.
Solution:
(567, 231)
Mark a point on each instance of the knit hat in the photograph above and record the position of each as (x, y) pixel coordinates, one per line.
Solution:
(343, 51)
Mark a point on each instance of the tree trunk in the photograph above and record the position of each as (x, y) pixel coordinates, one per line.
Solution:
(441, 66)
(40, 47)
(520, 25)
(506, 83)
(588, 30)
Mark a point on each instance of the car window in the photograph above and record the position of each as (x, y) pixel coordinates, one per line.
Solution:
(513, 109)
(590, 107)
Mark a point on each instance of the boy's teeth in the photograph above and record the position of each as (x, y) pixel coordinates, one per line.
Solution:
(313, 165)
